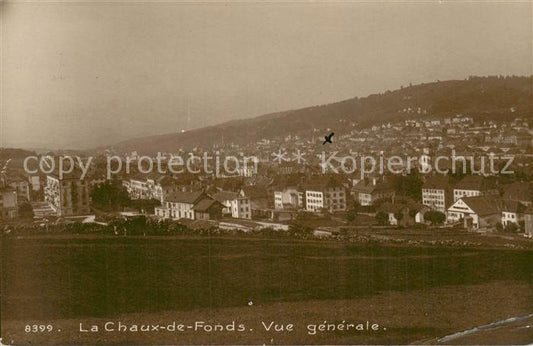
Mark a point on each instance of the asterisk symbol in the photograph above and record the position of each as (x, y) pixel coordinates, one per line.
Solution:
(280, 156)
(299, 156)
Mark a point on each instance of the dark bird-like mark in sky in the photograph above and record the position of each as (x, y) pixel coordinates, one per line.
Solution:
(328, 138)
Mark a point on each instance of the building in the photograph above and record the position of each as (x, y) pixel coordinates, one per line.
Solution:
(259, 200)
(67, 196)
(190, 205)
(165, 186)
(288, 198)
(314, 200)
(436, 193)
(325, 194)
(472, 186)
(476, 212)
(241, 207)
(367, 191)
(512, 212)
(208, 209)
(235, 204)
(8, 204)
(226, 198)
(151, 188)
(180, 205)
(137, 188)
(21, 186)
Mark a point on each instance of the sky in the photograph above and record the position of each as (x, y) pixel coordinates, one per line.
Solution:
(80, 75)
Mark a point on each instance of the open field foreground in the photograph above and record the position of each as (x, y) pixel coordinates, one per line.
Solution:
(378, 294)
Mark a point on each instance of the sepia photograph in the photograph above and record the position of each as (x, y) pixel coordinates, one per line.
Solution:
(277, 172)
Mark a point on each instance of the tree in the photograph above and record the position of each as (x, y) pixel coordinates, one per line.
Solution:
(352, 212)
(382, 218)
(409, 185)
(136, 225)
(145, 205)
(110, 196)
(26, 211)
(435, 217)
(511, 227)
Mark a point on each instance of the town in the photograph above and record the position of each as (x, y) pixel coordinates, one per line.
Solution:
(286, 187)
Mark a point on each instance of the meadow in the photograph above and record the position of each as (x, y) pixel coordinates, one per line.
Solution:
(83, 277)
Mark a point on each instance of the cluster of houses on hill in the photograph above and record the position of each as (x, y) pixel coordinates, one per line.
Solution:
(475, 201)
(279, 190)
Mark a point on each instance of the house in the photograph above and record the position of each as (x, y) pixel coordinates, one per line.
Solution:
(67, 196)
(436, 193)
(235, 204)
(190, 205)
(8, 204)
(226, 198)
(288, 197)
(259, 201)
(367, 191)
(512, 212)
(476, 212)
(519, 191)
(474, 185)
(323, 193)
(208, 209)
(241, 207)
(179, 205)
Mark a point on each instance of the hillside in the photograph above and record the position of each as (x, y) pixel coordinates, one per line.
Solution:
(480, 97)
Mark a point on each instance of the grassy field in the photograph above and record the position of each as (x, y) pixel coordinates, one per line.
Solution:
(418, 292)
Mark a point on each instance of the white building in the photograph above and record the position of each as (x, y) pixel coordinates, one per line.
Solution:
(288, 197)
(137, 189)
(67, 197)
(235, 204)
(477, 212)
(179, 205)
(328, 195)
(241, 208)
(150, 188)
(473, 186)
(314, 200)
(436, 193)
(512, 212)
